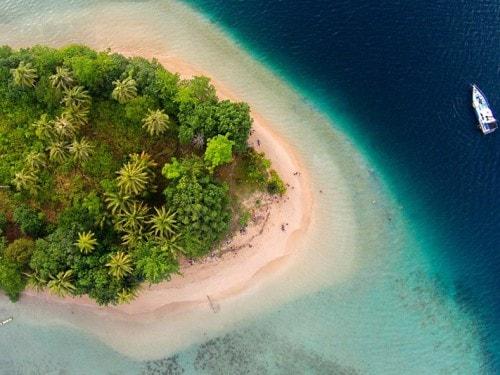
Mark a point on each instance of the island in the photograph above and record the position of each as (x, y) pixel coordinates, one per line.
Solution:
(115, 171)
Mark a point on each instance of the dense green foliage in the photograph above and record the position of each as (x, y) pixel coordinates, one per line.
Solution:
(117, 168)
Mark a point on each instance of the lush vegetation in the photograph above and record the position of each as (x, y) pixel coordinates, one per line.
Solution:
(112, 169)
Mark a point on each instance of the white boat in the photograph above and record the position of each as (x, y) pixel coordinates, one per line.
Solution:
(487, 122)
(8, 320)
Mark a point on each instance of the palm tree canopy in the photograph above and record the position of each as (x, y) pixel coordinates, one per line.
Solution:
(78, 114)
(44, 128)
(76, 97)
(126, 296)
(124, 90)
(62, 79)
(133, 178)
(156, 122)
(144, 159)
(163, 222)
(120, 265)
(25, 180)
(81, 149)
(117, 202)
(65, 127)
(86, 242)
(35, 160)
(133, 218)
(61, 285)
(57, 151)
(172, 246)
(24, 75)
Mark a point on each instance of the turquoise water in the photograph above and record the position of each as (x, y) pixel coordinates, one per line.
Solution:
(391, 314)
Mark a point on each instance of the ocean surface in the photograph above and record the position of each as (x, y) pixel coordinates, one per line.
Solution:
(392, 80)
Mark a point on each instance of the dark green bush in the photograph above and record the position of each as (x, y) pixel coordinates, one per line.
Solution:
(30, 221)
(20, 251)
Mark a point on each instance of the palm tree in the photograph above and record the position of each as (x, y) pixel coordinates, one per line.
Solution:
(35, 281)
(144, 159)
(65, 127)
(132, 239)
(57, 152)
(61, 285)
(163, 222)
(62, 79)
(24, 75)
(76, 97)
(133, 218)
(80, 150)
(156, 122)
(120, 265)
(44, 128)
(86, 242)
(172, 246)
(25, 180)
(35, 160)
(133, 178)
(198, 141)
(125, 90)
(78, 114)
(117, 202)
(126, 295)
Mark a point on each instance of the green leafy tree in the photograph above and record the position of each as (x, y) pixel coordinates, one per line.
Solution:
(137, 109)
(76, 97)
(125, 90)
(24, 75)
(61, 284)
(81, 150)
(62, 79)
(54, 253)
(163, 223)
(20, 251)
(120, 265)
(154, 264)
(156, 122)
(201, 207)
(11, 279)
(31, 222)
(86, 242)
(232, 119)
(219, 151)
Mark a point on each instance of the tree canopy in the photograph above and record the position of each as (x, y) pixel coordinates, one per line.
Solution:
(116, 169)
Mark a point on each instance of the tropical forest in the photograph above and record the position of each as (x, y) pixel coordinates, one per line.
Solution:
(113, 170)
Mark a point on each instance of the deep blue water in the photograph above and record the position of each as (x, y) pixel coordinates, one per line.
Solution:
(401, 70)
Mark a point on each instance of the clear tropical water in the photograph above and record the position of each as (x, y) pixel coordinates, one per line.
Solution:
(393, 76)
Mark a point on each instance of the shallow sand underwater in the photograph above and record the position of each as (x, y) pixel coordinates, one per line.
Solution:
(358, 295)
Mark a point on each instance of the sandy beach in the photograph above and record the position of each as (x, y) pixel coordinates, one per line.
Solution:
(247, 257)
